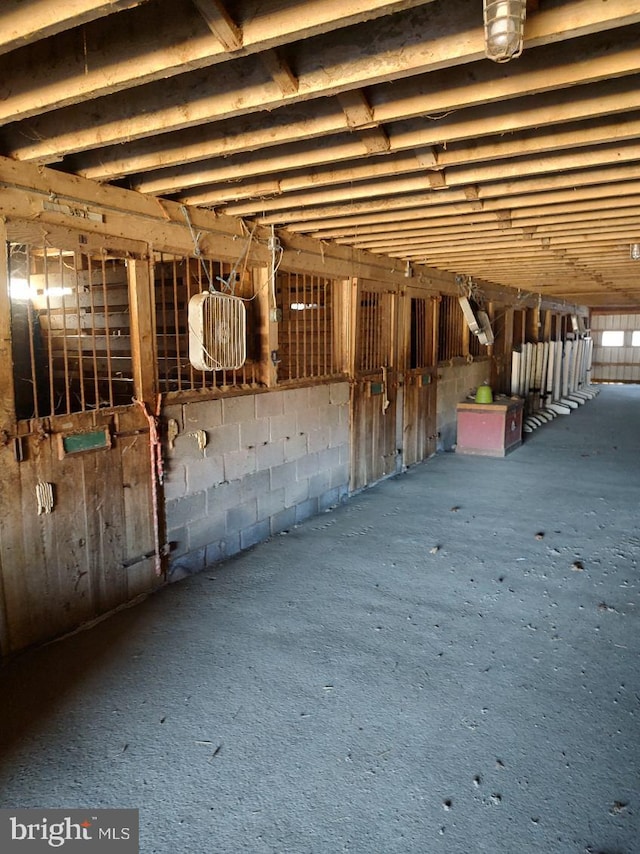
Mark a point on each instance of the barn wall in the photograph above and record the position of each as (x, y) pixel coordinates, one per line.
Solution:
(252, 454)
(271, 460)
(616, 364)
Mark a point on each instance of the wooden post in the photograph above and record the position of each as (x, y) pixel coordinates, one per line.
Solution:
(143, 331)
(7, 399)
(265, 289)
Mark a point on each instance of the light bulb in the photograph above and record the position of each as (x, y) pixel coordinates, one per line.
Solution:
(504, 28)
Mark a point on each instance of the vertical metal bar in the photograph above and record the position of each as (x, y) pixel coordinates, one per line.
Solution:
(83, 401)
(65, 351)
(176, 321)
(94, 345)
(107, 327)
(162, 335)
(32, 354)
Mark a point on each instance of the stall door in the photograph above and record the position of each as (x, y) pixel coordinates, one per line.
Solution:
(78, 524)
(419, 410)
(374, 452)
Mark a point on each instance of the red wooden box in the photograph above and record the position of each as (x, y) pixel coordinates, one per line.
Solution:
(490, 429)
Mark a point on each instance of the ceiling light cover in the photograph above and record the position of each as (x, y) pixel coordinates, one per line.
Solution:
(635, 251)
(504, 28)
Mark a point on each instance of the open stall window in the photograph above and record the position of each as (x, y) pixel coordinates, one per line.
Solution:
(176, 279)
(451, 326)
(71, 341)
(307, 338)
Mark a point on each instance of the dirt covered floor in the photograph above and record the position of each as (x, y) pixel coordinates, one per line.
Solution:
(448, 663)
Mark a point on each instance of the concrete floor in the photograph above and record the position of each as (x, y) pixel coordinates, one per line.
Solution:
(448, 663)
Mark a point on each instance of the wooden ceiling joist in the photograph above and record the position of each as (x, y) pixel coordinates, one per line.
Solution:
(219, 21)
(376, 126)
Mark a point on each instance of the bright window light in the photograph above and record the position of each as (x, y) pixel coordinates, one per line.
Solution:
(19, 289)
(635, 338)
(613, 338)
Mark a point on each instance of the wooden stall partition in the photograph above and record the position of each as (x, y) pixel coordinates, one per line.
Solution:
(374, 399)
(501, 364)
(79, 530)
(417, 360)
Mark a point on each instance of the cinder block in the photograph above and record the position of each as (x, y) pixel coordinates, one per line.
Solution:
(223, 497)
(283, 475)
(242, 516)
(254, 433)
(239, 464)
(184, 510)
(319, 483)
(175, 481)
(231, 544)
(178, 539)
(345, 454)
(283, 521)
(331, 498)
(214, 553)
(339, 393)
(255, 534)
(307, 509)
(320, 395)
(308, 419)
(296, 493)
(202, 414)
(186, 565)
(255, 485)
(270, 403)
(296, 400)
(270, 503)
(224, 439)
(318, 440)
(295, 447)
(329, 416)
(282, 427)
(204, 473)
(235, 410)
(175, 412)
(270, 455)
(206, 531)
(307, 466)
(340, 476)
(185, 448)
(328, 459)
(339, 436)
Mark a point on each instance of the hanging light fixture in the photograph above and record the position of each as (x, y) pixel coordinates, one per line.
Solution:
(634, 251)
(504, 28)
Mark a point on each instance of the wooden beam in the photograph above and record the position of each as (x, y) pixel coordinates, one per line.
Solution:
(400, 203)
(280, 71)
(220, 23)
(457, 88)
(356, 108)
(79, 68)
(375, 56)
(25, 23)
(143, 338)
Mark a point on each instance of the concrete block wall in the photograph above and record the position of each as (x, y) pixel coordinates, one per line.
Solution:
(455, 382)
(271, 460)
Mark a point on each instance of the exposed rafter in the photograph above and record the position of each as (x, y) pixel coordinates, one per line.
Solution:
(376, 124)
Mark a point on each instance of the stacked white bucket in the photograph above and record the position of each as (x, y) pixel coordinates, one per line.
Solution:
(554, 377)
